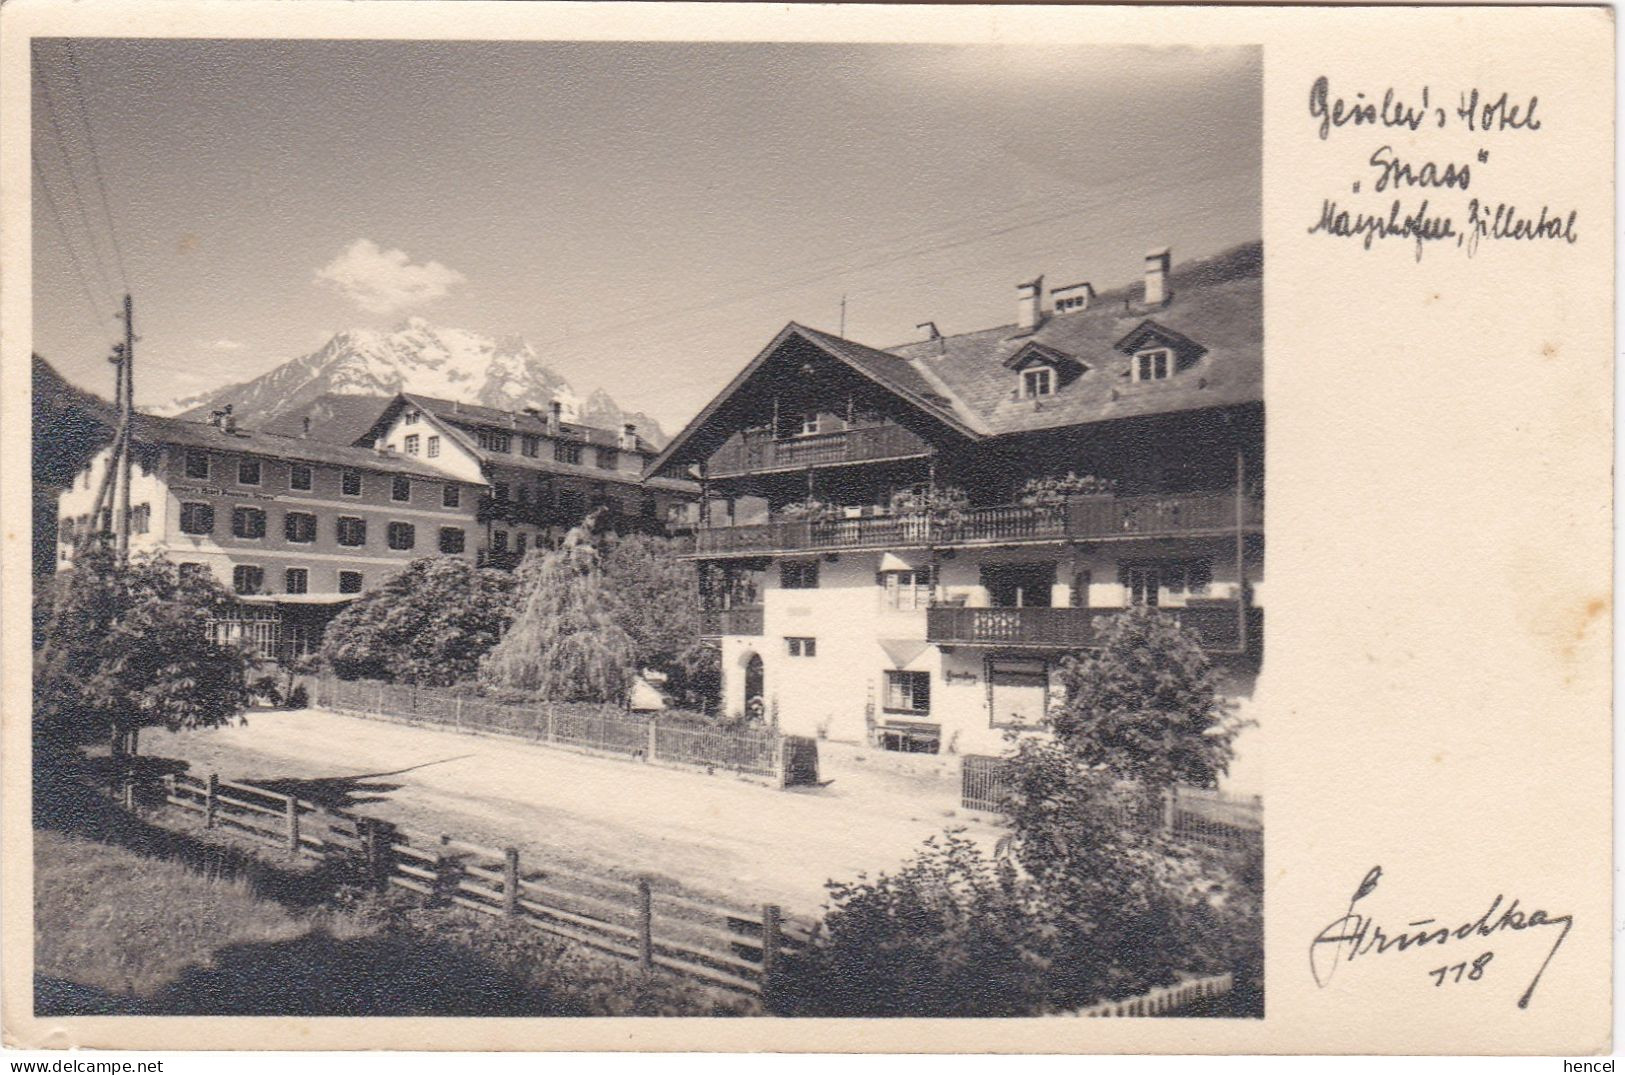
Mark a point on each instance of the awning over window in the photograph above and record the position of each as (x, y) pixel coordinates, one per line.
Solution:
(904, 651)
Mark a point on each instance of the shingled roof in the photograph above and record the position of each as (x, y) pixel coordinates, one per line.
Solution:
(1216, 303)
(1214, 315)
(472, 414)
(150, 429)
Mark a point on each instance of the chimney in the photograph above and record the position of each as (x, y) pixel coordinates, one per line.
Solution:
(1030, 304)
(228, 421)
(1072, 299)
(629, 437)
(555, 415)
(306, 423)
(1156, 276)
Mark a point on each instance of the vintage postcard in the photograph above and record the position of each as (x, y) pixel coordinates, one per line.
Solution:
(807, 528)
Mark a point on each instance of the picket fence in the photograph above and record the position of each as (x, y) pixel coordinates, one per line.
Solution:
(720, 946)
(1201, 815)
(1163, 1001)
(580, 726)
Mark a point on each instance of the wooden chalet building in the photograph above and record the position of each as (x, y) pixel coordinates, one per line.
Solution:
(897, 545)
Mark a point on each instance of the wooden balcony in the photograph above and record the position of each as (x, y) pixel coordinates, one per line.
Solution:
(760, 453)
(1215, 626)
(714, 623)
(1091, 518)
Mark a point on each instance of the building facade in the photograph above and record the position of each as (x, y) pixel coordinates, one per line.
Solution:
(897, 546)
(542, 474)
(297, 527)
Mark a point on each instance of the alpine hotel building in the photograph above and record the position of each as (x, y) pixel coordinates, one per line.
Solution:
(898, 545)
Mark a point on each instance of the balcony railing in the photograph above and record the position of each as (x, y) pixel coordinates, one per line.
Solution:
(1089, 518)
(1215, 626)
(714, 623)
(759, 452)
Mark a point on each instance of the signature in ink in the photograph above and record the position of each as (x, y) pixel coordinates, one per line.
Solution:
(1354, 935)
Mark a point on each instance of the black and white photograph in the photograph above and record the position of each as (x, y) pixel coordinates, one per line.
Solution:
(659, 529)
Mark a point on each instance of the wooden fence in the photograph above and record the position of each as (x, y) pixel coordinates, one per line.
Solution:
(724, 947)
(580, 726)
(1201, 815)
(1164, 1001)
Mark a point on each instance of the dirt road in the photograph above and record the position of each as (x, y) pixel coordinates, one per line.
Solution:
(717, 835)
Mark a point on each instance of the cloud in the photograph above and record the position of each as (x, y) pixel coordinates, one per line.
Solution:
(226, 345)
(383, 281)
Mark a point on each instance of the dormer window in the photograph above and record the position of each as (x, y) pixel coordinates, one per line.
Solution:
(1037, 381)
(810, 424)
(1153, 364)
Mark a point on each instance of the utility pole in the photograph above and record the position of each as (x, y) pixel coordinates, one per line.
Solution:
(842, 333)
(127, 412)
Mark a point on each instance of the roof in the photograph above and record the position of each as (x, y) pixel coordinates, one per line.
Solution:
(1217, 303)
(338, 417)
(151, 429)
(472, 414)
(459, 418)
(1214, 315)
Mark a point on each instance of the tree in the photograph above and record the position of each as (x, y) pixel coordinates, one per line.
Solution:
(429, 624)
(695, 681)
(1146, 705)
(565, 643)
(654, 596)
(128, 646)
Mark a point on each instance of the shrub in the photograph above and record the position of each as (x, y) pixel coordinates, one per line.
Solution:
(429, 624)
(128, 646)
(1146, 704)
(1055, 489)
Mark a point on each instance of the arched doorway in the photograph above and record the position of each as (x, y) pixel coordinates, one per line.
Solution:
(755, 690)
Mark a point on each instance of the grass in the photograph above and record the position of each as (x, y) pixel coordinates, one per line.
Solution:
(133, 917)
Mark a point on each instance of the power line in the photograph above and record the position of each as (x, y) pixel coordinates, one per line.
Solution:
(67, 243)
(95, 159)
(67, 166)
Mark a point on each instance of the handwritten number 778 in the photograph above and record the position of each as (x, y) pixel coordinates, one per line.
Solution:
(1473, 971)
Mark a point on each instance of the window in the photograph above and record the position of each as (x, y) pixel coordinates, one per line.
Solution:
(411, 444)
(648, 508)
(530, 444)
(349, 582)
(524, 495)
(1038, 381)
(350, 483)
(1153, 365)
(248, 472)
(799, 575)
(1081, 581)
(410, 418)
(246, 578)
(567, 453)
(197, 466)
(351, 530)
(434, 447)
(608, 458)
(1165, 583)
(400, 488)
(519, 541)
(190, 570)
(402, 536)
(296, 580)
(494, 440)
(247, 523)
(451, 496)
(451, 539)
(1018, 692)
(810, 424)
(197, 518)
(64, 531)
(141, 518)
(499, 490)
(905, 591)
(802, 647)
(908, 692)
(299, 527)
(499, 541)
(299, 477)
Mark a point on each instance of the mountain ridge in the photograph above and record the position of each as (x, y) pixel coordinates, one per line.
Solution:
(502, 372)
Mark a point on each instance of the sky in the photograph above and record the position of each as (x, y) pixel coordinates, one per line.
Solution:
(646, 215)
